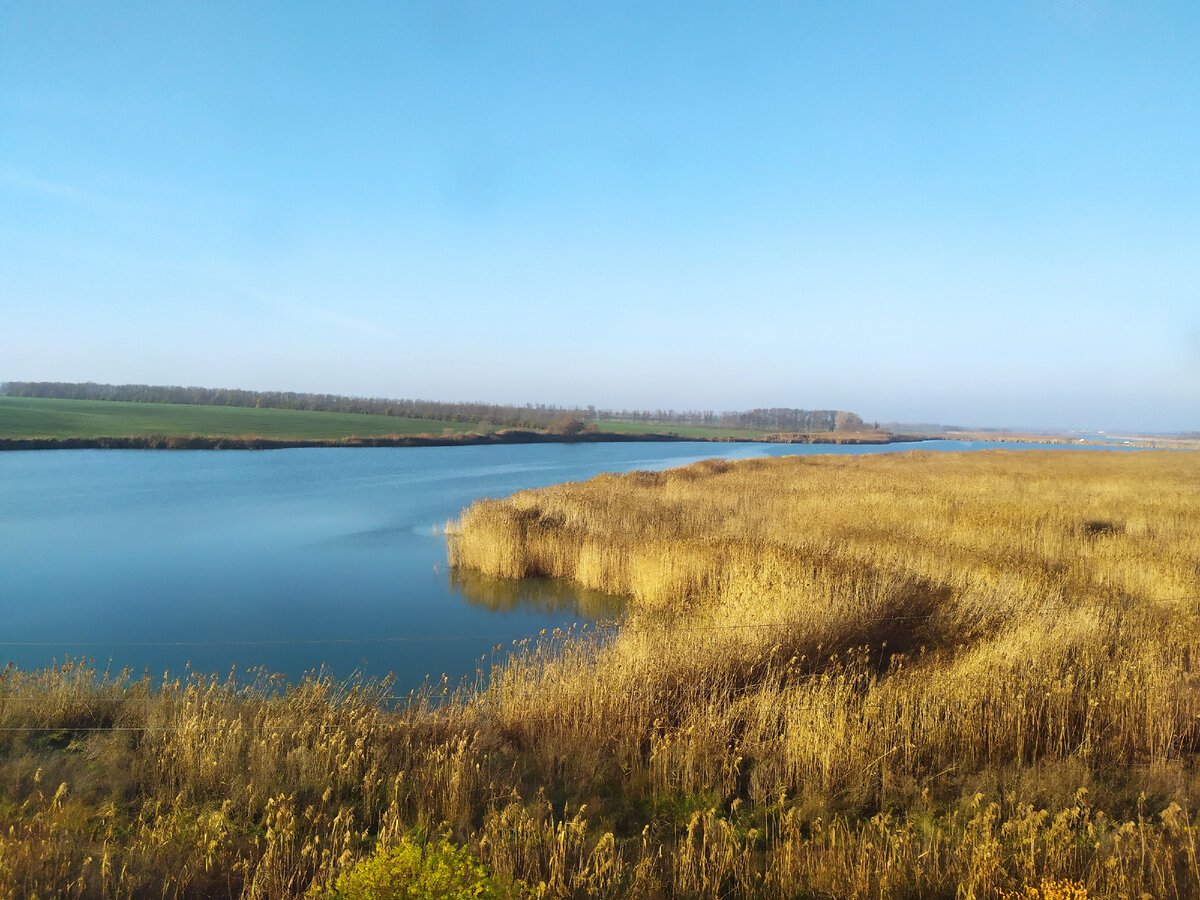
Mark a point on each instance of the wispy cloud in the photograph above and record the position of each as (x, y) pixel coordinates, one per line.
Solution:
(22, 181)
(128, 195)
(1192, 348)
(319, 313)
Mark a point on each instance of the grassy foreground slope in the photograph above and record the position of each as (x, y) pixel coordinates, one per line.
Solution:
(35, 417)
(699, 432)
(721, 433)
(896, 676)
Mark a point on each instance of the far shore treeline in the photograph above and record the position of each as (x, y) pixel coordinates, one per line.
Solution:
(491, 414)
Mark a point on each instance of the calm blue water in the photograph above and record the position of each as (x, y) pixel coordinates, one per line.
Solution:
(286, 559)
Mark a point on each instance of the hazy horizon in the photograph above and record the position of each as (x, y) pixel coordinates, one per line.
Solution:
(966, 215)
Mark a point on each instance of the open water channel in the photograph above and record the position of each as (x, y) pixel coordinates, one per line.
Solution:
(288, 559)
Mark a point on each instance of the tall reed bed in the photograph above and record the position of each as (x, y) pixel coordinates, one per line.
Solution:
(923, 675)
(906, 636)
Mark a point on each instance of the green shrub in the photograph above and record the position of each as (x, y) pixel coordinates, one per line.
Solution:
(436, 870)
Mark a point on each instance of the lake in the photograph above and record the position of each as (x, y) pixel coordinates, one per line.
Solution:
(289, 559)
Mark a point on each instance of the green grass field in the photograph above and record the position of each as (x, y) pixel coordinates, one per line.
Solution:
(36, 417)
(29, 417)
(697, 431)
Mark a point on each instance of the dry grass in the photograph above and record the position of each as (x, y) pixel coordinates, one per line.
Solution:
(867, 644)
(922, 675)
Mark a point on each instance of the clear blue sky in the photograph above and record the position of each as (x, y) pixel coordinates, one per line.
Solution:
(970, 213)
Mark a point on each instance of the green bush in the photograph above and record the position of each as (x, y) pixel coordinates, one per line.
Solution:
(414, 870)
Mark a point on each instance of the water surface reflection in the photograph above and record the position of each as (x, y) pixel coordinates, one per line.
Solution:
(540, 596)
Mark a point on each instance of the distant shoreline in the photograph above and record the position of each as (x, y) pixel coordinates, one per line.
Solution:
(523, 436)
(511, 436)
(68, 423)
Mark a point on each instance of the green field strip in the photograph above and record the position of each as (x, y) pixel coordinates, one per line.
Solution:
(32, 417)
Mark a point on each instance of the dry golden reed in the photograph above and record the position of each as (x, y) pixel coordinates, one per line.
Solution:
(896, 676)
(841, 639)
